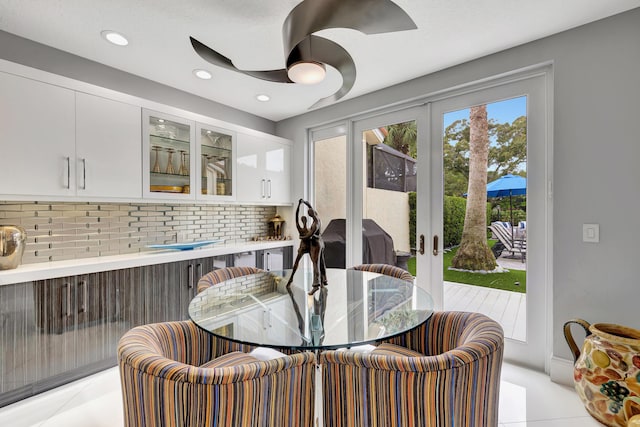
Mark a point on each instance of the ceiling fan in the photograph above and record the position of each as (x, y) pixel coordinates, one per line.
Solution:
(307, 54)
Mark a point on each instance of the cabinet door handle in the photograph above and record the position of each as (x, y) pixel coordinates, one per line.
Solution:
(263, 184)
(83, 305)
(84, 174)
(198, 276)
(68, 160)
(267, 262)
(67, 308)
(190, 278)
(269, 188)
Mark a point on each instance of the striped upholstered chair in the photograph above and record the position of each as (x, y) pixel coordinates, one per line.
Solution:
(220, 275)
(164, 383)
(445, 375)
(387, 270)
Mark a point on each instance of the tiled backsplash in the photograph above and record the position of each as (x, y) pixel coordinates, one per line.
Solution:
(60, 231)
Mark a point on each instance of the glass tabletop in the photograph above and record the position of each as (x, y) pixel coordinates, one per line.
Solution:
(356, 307)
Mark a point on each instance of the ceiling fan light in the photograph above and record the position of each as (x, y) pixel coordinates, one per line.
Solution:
(306, 72)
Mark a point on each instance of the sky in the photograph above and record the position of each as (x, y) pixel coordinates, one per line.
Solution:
(501, 111)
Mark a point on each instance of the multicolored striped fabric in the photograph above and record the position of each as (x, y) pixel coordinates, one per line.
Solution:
(456, 384)
(234, 358)
(387, 270)
(222, 274)
(163, 385)
(388, 349)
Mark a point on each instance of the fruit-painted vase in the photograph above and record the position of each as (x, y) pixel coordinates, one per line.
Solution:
(607, 371)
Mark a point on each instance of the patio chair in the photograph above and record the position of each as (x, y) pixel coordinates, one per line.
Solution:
(517, 246)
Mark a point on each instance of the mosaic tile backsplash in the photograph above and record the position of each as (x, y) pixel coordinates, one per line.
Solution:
(61, 231)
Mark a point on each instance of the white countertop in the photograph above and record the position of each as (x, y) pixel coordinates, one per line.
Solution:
(53, 269)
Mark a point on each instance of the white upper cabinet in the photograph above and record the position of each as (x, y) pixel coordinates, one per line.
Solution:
(263, 168)
(108, 149)
(37, 138)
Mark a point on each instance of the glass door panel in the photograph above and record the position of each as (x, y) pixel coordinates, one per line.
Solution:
(389, 194)
(216, 160)
(168, 162)
(330, 195)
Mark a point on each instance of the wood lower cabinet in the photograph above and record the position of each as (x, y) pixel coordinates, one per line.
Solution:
(58, 330)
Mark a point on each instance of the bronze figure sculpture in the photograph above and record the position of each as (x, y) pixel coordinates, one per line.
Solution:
(310, 243)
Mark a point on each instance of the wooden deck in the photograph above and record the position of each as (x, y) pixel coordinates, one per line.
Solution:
(507, 308)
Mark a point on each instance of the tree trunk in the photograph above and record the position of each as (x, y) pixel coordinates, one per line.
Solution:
(474, 253)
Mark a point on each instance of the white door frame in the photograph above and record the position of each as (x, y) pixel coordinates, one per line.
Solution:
(536, 85)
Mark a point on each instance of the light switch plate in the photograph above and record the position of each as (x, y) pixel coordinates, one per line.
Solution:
(591, 233)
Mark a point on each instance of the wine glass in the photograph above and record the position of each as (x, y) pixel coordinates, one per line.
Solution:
(170, 169)
(183, 166)
(156, 164)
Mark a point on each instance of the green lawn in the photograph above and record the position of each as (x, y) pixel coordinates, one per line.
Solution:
(505, 281)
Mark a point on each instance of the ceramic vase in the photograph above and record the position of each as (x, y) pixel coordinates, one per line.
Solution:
(607, 371)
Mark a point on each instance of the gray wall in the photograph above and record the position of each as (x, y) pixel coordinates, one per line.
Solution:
(26, 52)
(596, 154)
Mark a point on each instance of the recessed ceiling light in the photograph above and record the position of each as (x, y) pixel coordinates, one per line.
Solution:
(262, 97)
(202, 74)
(115, 38)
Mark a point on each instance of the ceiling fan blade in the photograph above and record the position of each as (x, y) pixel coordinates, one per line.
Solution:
(330, 53)
(366, 16)
(215, 58)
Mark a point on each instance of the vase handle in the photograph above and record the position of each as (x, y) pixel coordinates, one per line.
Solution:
(570, 341)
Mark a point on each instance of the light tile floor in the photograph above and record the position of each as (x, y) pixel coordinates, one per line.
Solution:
(527, 399)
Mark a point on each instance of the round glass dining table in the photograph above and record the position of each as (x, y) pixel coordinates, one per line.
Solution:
(356, 307)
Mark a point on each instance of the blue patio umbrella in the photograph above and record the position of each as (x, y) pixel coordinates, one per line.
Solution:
(508, 185)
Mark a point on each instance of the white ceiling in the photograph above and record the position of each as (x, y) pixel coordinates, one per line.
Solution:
(249, 32)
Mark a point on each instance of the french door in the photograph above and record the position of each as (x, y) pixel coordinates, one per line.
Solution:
(360, 178)
(530, 318)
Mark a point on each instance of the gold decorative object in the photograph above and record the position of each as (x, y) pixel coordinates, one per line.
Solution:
(167, 188)
(277, 224)
(12, 242)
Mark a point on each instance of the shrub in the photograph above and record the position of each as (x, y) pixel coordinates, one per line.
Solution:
(453, 219)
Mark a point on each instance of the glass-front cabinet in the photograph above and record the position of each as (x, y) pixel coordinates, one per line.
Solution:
(169, 163)
(216, 160)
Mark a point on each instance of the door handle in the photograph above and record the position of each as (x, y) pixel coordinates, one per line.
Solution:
(263, 188)
(421, 249)
(67, 310)
(68, 160)
(83, 306)
(190, 278)
(435, 245)
(269, 188)
(84, 174)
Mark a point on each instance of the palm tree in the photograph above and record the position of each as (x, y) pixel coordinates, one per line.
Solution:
(474, 253)
(402, 137)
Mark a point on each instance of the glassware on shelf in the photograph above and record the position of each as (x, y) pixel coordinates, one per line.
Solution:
(184, 169)
(170, 170)
(156, 164)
